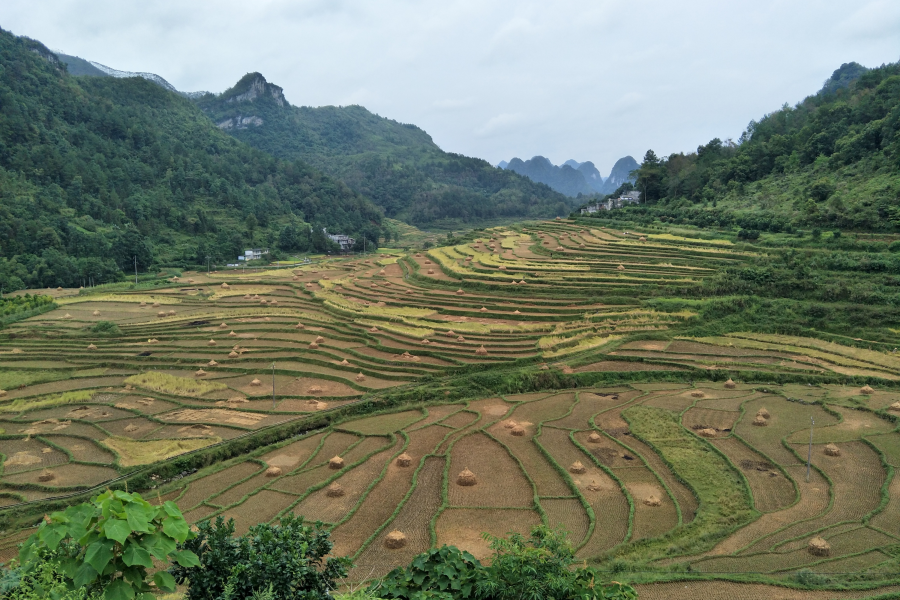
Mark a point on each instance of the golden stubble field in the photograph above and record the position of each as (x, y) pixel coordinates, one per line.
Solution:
(191, 366)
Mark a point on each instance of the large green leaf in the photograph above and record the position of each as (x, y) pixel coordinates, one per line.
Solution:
(117, 529)
(118, 590)
(186, 558)
(84, 575)
(158, 545)
(52, 534)
(172, 509)
(164, 581)
(139, 517)
(99, 554)
(176, 527)
(135, 555)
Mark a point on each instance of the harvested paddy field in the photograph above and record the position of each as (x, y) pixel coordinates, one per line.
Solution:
(381, 398)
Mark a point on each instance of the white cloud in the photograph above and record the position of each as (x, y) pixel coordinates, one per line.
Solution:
(454, 103)
(592, 79)
(877, 19)
(500, 124)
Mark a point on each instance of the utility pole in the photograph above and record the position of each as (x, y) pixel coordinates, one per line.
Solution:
(135, 270)
(273, 385)
(812, 422)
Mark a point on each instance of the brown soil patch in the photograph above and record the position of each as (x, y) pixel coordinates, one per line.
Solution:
(462, 527)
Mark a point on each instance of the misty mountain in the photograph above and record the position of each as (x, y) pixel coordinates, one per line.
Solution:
(397, 165)
(621, 172)
(564, 179)
(573, 177)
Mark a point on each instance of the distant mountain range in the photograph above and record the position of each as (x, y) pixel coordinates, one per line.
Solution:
(573, 177)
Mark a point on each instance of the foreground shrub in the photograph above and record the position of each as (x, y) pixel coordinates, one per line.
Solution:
(45, 581)
(276, 562)
(539, 567)
(447, 572)
(106, 545)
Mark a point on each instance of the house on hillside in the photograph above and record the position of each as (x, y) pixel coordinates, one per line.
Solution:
(344, 241)
(254, 254)
(632, 197)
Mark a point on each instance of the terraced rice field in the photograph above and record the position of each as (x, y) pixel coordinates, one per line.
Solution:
(666, 466)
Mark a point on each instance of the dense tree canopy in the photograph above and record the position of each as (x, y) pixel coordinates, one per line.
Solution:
(97, 171)
(832, 160)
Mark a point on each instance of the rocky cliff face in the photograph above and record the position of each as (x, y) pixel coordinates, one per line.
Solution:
(253, 86)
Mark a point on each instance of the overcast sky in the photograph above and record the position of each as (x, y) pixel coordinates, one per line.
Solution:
(584, 79)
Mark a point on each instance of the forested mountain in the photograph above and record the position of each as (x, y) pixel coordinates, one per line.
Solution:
(833, 160)
(397, 165)
(97, 170)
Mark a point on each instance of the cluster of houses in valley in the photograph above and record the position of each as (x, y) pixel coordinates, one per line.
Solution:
(633, 197)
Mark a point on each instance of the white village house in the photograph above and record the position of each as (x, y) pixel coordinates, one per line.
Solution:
(344, 241)
(632, 197)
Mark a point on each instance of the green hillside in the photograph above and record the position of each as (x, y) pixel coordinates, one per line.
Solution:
(397, 165)
(831, 161)
(96, 170)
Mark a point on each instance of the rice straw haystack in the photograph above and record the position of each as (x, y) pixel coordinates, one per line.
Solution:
(232, 334)
(200, 373)
(211, 343)
(460, 339)
(404, 460)
(866, 390)
(360, 377)
(313, 346)
(518, 431)
(707, 432)
(344, 363)
(481, 351)
(96, 313)
(256, 382)
(334, 490)
(273, 472)
(760, 421)
(91, 347)
(895, 406)
(832, 450)
(577, 467)
(466, 478)
(652, 501)
(212, 363)
(620, 268)
(509, 424)
(730, 385)
(593, 487)
(697, 394)
(46, 475)
(595, 438)
(762, 412)
(299, 326)
(233, 354)
(460, 293)
(395, 540)
(819, 547)
(336, 463)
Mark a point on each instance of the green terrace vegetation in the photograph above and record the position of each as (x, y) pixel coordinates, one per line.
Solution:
(650, 396)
